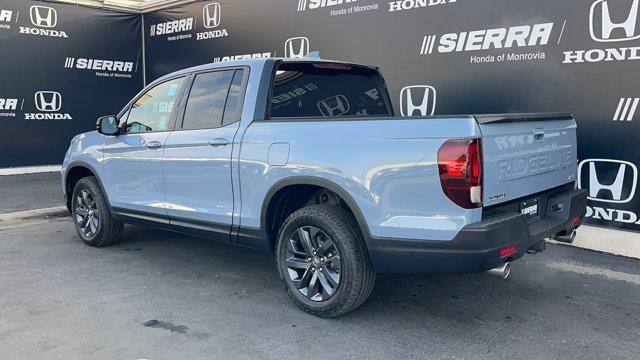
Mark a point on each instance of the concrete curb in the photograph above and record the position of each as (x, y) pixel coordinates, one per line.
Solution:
(30, 170)
(612, 241)
(15, 219)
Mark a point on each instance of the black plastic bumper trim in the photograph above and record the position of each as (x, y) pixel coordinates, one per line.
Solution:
(477, 247)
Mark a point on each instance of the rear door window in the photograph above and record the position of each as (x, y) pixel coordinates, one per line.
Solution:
(233, 108)
(312, 90)
(205, 105)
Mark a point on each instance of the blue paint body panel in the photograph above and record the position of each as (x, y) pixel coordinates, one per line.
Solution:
(132, 173)
(195, 173)
(523, 158)
(388, 166)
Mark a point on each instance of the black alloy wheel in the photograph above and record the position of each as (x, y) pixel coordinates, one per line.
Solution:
(323, 261)
(313, 263)
(91, 214)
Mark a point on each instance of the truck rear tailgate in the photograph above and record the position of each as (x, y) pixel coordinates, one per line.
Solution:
(524, 154)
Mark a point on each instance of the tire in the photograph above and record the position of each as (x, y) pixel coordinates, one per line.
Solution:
(341, 284)
(89, 207)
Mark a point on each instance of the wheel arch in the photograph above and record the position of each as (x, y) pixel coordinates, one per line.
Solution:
(76, 171)
(316, 182)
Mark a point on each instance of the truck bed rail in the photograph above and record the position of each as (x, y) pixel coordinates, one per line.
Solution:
(522, 117)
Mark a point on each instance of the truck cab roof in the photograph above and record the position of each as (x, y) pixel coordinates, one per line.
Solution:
(255, 62)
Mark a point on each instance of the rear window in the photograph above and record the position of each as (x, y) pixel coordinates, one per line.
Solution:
(314, 90)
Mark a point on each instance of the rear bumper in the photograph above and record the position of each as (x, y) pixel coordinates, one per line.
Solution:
(477, 247)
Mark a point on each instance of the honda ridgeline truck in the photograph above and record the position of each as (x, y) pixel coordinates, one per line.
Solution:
(305, 158)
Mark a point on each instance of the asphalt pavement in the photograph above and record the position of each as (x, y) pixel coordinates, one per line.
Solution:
(160, 295)
(30, 191)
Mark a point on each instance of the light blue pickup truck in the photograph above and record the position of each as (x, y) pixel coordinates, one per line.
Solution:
(305, 158)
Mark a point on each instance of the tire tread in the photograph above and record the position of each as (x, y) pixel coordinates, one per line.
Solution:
(363, 281)
(111, 231)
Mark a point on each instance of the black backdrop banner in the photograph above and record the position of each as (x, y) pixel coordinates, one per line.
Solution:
(453, 57)
(61, 67)
(450, 56)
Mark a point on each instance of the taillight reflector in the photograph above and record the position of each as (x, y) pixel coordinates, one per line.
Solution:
(508, 251)
(460, 167)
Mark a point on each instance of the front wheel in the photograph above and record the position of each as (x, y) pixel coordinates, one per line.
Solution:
(91, 215)
(323, 262)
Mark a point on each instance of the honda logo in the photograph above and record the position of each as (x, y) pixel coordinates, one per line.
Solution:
(48, 100)
(211, 14)
(297, 47)
(43, 16)
(409, 103)
(334, 106)
(604, 21)
(612, 181)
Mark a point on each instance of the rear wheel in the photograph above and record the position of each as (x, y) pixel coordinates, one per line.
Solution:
(323, 262)
(91, 215)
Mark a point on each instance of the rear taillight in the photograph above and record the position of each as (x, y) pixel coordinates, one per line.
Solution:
(460, 166)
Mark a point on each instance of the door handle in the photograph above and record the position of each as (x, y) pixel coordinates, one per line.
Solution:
(219, 142)
(154, 145)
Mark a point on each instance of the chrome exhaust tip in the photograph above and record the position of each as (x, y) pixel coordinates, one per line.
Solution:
(502, 271)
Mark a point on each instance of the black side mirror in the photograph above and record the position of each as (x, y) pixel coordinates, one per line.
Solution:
(108, 125)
